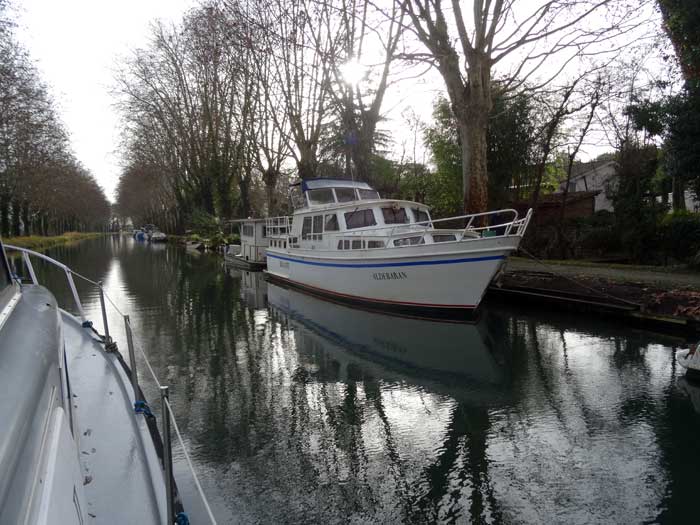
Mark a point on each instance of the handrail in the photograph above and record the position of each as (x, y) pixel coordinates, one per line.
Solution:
(513, 227)
(428, 223)
(111, 347)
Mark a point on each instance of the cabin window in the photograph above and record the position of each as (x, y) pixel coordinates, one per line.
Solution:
(247, 230)
(264, 232)
(331, 223)
(357, 245)
(409, 241)
(395, 215)
(368, 194)
(318, 223)
(444, 237)
(344, 244)
(306, 228)
(321, 196)
(420, 215)
(345, 194)
(375, 244)
(359, 219)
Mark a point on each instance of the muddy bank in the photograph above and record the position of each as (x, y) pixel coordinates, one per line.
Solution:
(642, 300)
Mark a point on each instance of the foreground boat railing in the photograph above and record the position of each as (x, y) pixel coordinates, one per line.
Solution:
(513, 226)
(167, 414)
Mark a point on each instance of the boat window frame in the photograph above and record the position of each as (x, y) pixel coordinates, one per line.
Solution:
(421, 241)
(304, 231)
(415, 210)
(364, 211)
(334, 217)
(328, 191)
(394, 210)
(452, 235)
(353, 190)
(362, 191)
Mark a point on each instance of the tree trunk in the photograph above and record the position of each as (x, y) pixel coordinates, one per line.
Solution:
(4, 217)
(25, 218)
(270, 177)
(678, 194)
(16, 215)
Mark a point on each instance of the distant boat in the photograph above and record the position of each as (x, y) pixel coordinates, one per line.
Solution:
(346, 242)
(158, 236)
(139, 235)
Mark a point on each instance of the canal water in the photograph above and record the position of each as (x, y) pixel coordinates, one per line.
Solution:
(298, 410)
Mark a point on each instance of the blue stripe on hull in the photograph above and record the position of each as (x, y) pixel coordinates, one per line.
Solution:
(390, 265)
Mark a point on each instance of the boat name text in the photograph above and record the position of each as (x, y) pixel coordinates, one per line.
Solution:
(384, 276)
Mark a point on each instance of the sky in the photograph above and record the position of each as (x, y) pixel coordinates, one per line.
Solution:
(76, 44)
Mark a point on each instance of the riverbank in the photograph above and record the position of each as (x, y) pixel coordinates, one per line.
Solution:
(38, 242)
(667, 298)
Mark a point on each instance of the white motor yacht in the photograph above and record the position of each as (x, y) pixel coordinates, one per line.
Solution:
(345, 241)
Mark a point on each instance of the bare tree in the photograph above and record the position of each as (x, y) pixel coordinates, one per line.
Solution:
(507, 32)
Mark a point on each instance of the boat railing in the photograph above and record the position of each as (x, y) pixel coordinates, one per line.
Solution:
(478, 225)
(140, 406)
(278, 226)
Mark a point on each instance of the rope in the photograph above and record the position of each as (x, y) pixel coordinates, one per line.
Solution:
(589, 288)
(189, 462)
(83, 277)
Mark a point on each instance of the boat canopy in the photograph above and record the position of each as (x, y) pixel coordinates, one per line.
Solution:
(313, 184)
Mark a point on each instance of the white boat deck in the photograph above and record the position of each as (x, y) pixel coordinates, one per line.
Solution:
(120, 471)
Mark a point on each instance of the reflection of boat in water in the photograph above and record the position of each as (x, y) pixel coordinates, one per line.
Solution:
(253, 286)
(690, 360)
(428, 349)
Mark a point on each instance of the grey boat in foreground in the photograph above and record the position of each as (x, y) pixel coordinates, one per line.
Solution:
(78, 443)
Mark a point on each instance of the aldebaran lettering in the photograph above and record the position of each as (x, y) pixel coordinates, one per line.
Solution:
(384, 276)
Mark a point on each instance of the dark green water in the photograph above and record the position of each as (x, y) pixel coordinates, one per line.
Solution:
(297, 410)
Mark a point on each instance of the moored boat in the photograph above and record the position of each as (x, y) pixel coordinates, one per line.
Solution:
(78, 442)
(158, 236)
(250, 254)
(346, 242)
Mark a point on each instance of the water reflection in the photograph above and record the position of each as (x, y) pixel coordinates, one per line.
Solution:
(300, 410)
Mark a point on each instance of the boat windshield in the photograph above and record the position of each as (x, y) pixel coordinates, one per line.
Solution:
(321, 196)
(345, 194)
(394, 215)
(368, 194)
(420, 215)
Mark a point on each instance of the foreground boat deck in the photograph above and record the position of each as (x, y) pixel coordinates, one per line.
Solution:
(119, 470)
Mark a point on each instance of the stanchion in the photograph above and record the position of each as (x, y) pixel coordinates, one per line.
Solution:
(132, 357)
(167, 453)
(108, 339)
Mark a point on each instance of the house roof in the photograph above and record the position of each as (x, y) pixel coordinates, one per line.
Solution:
(555, 199)
(589, 168)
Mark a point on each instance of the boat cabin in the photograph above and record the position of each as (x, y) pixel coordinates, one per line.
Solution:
(254, 239)
(336, 214)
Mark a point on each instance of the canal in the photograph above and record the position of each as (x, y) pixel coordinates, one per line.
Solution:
(298, 410)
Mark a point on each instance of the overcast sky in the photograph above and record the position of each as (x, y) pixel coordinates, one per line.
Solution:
(76, 44)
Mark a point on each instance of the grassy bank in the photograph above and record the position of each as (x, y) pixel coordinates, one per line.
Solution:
(37, 242)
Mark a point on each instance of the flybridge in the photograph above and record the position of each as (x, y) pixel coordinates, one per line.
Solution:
(318, 192)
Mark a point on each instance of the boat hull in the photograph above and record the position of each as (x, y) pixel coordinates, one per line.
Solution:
(446, 284)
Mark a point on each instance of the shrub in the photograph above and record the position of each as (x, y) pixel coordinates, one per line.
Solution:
(680, 235)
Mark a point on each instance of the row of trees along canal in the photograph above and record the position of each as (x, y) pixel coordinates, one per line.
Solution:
(43, 188)
(223, 109)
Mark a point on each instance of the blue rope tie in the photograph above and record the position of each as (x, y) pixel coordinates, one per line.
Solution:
(182, 519)
(87, 324)
(141, 407)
